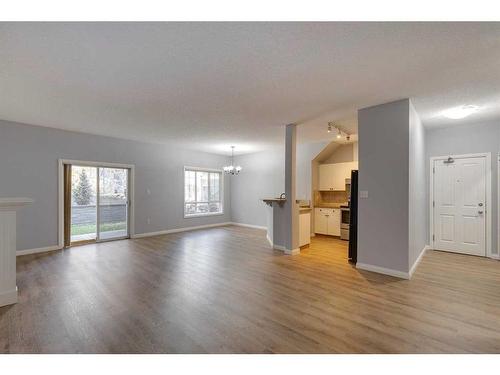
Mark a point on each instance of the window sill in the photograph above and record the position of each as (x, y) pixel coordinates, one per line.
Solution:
(203, 215)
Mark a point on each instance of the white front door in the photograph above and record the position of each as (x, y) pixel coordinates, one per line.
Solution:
(460, 205)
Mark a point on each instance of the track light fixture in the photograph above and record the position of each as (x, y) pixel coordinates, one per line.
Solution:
(340, 133)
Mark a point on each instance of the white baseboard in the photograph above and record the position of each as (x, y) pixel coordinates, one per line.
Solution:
(292, 252)
(140, 235)
(417, 262)
(382, 270)
(38, 250)
(269, 240)
(248, 225)
(282, 248)
(8, 298)
(177, 230)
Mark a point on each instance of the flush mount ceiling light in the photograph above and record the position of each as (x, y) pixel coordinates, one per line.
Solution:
(232, 169)
(463, 111)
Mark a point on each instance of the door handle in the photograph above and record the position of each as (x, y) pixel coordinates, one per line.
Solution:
(480, 212)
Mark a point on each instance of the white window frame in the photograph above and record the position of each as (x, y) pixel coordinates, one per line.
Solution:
(221, 191)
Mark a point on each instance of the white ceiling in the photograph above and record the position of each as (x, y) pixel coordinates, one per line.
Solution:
(210, 85)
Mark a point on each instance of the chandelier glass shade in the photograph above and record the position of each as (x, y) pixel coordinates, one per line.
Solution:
(232, 169)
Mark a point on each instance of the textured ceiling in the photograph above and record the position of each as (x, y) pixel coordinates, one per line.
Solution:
(210, 85)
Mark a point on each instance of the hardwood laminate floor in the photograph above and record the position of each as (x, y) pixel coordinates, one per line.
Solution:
(224, 290)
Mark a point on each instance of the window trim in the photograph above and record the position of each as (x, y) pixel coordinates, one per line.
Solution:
(221, 191)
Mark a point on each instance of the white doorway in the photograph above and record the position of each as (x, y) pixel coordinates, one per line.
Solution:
(460, 199)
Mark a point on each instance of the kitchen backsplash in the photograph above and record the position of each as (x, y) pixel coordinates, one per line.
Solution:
(329, 197)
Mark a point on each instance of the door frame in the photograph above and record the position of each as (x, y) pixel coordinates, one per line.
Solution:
(488, 203)
(497, 255)
(131, 193)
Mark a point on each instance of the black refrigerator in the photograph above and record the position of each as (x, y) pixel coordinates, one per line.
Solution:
(353, 219)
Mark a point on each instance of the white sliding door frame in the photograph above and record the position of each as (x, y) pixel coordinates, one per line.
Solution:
(497, 255)
(489, 203)
(131, 193)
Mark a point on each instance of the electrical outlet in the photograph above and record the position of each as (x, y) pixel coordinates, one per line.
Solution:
(149, 220)
(363, 194)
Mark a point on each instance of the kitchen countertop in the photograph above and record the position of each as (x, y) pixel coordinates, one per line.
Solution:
(331, 205)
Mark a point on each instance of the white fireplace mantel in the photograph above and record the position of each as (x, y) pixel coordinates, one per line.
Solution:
(8, 208)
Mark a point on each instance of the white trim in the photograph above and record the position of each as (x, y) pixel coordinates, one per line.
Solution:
(13, 204)
(488, 203)
(202, 169)
(269, 240)
(203, 215)
(417, 262)
(38, 250)
(249, 226)
(131, 192)
(221, 191)
(293, 251)
(382, 270)
(276, 247)
(176, 230)
(497, 256)
(8, 298)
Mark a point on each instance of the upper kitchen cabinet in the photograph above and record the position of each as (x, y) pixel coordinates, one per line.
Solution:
(333, 176)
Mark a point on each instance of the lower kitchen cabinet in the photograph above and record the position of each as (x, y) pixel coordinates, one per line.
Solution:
(327, 221)
(304, 228)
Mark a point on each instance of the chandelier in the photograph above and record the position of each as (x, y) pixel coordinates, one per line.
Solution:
(232, 169)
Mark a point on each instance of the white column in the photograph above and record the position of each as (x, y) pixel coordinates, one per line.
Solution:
(8, 208)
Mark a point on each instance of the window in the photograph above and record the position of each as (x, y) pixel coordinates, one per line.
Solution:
(202, 192)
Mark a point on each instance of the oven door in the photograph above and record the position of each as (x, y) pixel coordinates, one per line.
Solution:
(344, 218)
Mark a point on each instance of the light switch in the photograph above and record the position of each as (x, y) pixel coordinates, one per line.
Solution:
(363, 194)
(148, 192)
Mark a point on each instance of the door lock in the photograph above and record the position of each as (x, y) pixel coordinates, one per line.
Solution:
(480, 205)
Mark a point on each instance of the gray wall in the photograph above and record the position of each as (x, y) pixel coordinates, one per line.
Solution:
(263, 176)
(383, 171)
(342, 154)
(467, 139)
(418, 200)
(306, 152)
(29, 168)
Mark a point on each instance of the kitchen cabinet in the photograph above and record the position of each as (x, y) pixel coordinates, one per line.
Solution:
(333, 176)
(327, 221)
(304, 228)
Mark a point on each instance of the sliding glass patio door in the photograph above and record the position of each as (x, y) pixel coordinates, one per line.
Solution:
(113, 203)
(99, 203)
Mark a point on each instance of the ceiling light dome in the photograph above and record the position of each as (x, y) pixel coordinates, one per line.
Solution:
(460, 112)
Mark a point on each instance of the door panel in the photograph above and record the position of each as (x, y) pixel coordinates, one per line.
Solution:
(459, 205)
(113, 203)
(83, 204)
(447, 228)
